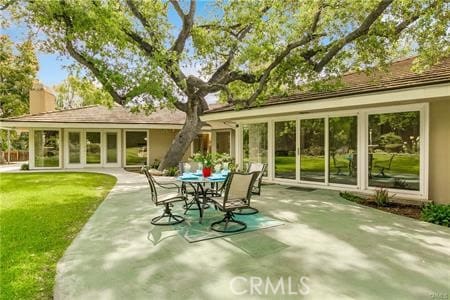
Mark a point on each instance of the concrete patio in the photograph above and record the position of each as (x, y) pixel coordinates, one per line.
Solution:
(345, 251)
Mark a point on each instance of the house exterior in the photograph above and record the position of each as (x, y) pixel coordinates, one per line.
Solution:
(98, 136)
(390, 129)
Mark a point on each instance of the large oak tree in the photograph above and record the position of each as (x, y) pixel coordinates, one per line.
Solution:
(244, 50)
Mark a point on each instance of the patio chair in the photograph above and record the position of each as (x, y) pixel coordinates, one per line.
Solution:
(164, 199)
(258, 168)
(237, 194)
(382, 168)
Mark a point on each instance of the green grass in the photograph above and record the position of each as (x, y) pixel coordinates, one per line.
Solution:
(40, 214)
(133, 158)
(401, 164)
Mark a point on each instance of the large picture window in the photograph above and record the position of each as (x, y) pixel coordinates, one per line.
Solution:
(136, 147)
(394, 150)
(254, 138)
(46, 148)
(285, 149)
(343, 146)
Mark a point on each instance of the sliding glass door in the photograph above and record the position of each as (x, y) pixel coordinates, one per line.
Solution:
(394, 150)
(312, 150)
(362, 149)
(93, 148)
(343, 149)
(255, 143)
(285, 149)
(112, 148)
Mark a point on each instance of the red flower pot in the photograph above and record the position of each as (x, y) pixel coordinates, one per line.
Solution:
(206, 172)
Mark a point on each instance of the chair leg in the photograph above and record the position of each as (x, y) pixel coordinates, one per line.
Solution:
(228, 218)
(167, 214)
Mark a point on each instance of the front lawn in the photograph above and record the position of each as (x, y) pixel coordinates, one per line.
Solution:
(40, 214)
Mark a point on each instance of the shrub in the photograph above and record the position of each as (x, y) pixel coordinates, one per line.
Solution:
(350, 197)
(155, 164)
(172, 171)
(437, 214)
(390, 138)
(24, 167)
(382, 197)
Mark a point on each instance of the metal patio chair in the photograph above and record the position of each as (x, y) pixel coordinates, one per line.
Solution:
(165, 200)
(237, 194)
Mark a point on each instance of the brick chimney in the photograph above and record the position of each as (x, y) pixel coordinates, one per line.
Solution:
(42, 99)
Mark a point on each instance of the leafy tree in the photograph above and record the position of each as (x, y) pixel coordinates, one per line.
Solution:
(247, 50)
(18, 69)
(75, 92)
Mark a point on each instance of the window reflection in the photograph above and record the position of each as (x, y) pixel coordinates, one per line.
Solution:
(74, 148)
(93, 147)
(343, 150)
(136, 147)
(46, 148)
(312, 150)
(285, 152)
(394, 150)
(254, 143)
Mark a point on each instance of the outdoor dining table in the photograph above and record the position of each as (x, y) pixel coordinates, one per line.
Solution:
(198, 183)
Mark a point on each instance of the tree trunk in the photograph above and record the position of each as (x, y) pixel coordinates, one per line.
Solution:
(191, 128)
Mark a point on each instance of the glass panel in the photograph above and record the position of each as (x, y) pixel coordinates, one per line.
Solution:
(111, 147)
(136, 147)
(74, 148)
(46, 148)
(394, 152)
(312, 149)
(285, 149)
(93, 148)
(201, 143)
(254, 137)
(223, 142)
(343, 149)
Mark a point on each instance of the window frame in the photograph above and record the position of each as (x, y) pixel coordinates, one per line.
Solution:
(33, 150)
(362, 115)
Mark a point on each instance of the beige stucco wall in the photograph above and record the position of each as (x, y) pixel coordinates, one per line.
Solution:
(439, 170)
(160, 141)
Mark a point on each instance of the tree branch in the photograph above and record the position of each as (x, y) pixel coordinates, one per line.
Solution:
(7, 4)
(405, 23)
(134, 9)
(188, 22)
(336, 46)
(222, 69)
(78, 56)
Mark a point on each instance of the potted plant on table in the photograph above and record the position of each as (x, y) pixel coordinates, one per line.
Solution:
(206, 160)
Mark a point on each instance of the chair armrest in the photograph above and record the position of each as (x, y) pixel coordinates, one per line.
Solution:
(169, 185)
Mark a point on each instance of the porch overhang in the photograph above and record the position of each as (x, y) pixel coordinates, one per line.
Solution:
(381, 98)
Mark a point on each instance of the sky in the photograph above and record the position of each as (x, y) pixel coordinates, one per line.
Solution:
(52, 67)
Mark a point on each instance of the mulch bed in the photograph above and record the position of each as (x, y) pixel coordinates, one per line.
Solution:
(407, 210)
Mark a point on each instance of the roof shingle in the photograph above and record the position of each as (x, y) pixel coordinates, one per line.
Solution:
(398, 76)
(101, 114)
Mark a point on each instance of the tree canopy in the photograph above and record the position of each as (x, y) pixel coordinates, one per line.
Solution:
(76, 91)
(18, 69)
(244, 50)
